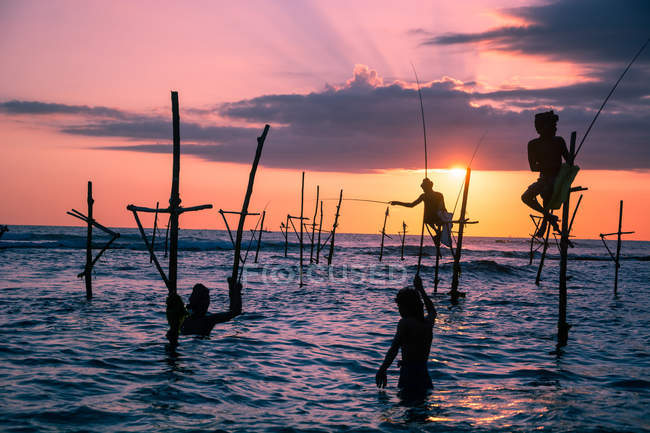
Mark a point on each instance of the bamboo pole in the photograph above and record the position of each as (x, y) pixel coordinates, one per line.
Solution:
(153, 236)
(333, 233)
(320, 229)
(562, 325)
(536, 221)
(383, 234)
(235, 298)
(313, 227)
(174, 199)
(403, 238)
(259, 239)
(302, 208)
(286, 237)
(543, 257)
(436, 242)
(618, 247)
(436, 280)
(89, 247)
(459, 243)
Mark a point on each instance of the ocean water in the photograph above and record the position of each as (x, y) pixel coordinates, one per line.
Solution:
(304, 358)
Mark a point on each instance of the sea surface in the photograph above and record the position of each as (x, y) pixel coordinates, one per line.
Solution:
(304, 358)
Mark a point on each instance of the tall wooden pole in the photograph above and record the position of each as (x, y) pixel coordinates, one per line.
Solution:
(336, 222)
(286, 237)
(320, 228)
(436, 280)
(259, 239)
(618, 247)
(532, 240)
(234, 304)
(89, 248)
(562, 325)
(153, 235)
(313, 227)
(302, 208)
(543, 257)
(459, 243)
(383, 234)
(403, 238)
(174, 199)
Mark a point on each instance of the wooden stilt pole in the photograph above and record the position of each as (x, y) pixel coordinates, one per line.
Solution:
(616, 258)
(286, 237)
(89, 248)
(403, 238)
(175, 308)
(562, 325)
(174, 199)
(313, 227)
(618, 247)
(302, 208)
(436, 280)
(320, 229)
(383, 234)
(153, 235)
(536, 221)
(436, 242)
(543, 257)
(459, 243)
(259, 239)
(333, 234)
(235, 298)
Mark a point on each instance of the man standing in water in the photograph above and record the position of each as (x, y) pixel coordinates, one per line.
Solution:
(434, 205)
(413, 337)
(545, 156)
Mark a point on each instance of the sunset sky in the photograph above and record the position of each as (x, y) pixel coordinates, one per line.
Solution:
(85, 95)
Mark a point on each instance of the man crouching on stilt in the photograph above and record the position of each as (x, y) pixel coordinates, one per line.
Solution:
(545, 156)
(434, 206)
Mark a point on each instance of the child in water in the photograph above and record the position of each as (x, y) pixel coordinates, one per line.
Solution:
(413, 336)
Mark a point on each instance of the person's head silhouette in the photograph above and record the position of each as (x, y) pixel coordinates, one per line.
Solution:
(409, 303)
(546, 123)
(427, 184)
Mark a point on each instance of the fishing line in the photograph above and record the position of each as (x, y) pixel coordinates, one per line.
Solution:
(359, 199)
(424, 127)
(469, 165)
(424, 132)
(610, 94)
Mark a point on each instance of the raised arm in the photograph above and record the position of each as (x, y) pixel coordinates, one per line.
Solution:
(406, 204)
(431, 310)
(380, 377)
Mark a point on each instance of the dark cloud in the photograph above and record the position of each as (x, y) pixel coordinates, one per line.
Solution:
(589, 31)
(157, 128)
(366, 125)
(46, 108)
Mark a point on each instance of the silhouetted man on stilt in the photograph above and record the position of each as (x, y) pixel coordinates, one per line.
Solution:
(545, 156)
(434, 206)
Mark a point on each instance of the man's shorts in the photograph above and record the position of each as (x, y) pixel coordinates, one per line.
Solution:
(542, 186)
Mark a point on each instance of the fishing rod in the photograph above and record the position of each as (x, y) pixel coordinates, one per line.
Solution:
(469, 165)
(610, 94)
(360, 199)
(424, 132)
(424, 127)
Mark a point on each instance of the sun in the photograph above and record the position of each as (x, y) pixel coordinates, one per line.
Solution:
(457, 172)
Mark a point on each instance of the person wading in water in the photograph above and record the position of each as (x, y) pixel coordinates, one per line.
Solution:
(413, 337)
